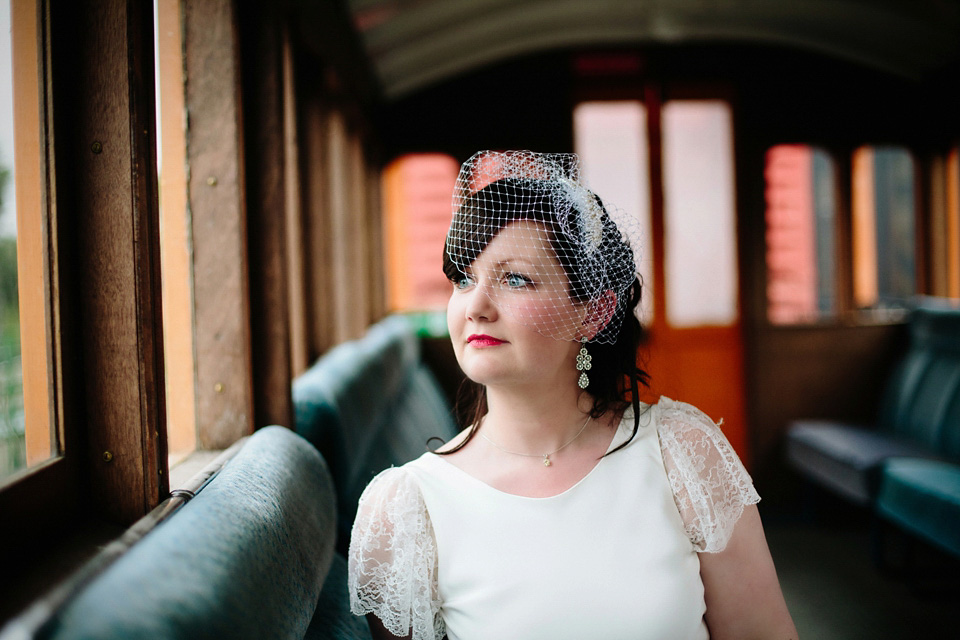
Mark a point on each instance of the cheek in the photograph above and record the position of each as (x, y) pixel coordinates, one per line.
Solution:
(453, 314)
(557, 320)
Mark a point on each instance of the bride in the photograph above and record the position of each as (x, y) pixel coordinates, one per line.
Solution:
(568, 508)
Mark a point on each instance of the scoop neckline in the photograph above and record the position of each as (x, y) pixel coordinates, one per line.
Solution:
(615, 441)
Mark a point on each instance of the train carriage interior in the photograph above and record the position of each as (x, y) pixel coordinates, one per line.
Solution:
(223, 309)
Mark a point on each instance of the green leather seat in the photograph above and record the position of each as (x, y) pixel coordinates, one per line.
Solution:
(923, 497)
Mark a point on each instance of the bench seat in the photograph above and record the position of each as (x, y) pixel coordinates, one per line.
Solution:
(923, 497)
(845, 458)
(251, 556)
(369, 404)
(905, 468)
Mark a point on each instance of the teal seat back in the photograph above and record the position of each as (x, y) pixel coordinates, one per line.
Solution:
(921, 403)
(369, 404)
(244, 559)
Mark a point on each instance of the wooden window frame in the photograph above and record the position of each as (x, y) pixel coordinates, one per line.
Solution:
(177, 262)
(953, 221)
(94, 117)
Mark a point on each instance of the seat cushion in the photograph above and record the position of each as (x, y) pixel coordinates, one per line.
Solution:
(845, 458)
(367, 405)
(246, 558)
(350, 388)
(923, 496)
(333, 619)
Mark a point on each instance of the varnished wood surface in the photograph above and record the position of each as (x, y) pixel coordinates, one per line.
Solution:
(216, 199)
(106, 195)
(267, 212)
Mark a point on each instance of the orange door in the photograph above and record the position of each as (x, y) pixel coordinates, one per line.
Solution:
(687, 202)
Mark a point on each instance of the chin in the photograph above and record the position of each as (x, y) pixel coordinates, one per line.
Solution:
(487, 375)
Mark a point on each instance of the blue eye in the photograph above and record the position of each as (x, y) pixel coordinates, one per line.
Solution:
(517, 280)
(462, 282)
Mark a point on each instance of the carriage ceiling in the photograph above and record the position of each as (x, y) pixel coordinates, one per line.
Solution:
(410, 44)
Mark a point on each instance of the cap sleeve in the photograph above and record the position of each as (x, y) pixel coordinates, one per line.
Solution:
(710, 485)
(393, 558)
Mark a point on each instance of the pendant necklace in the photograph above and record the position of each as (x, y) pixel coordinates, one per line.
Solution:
(545, 456)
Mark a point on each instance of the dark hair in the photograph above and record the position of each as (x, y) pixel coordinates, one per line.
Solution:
(615, 378)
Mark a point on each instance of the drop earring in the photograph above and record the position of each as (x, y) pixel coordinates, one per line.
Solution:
(583, 365)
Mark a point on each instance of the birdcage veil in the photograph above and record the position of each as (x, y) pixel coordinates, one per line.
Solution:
(591, 240)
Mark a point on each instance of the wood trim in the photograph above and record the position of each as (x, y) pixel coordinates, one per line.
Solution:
(337, 185)
(266, 214)
(295, 225)
(377, 249)
(358, 222)
(953, 222)
(216, 200)
(32, 232)
(316, 206)
(922, 203)
(177, 265)
(843, 228)
(653, 100)
(863, 208)
(935, 229)
(104, 83)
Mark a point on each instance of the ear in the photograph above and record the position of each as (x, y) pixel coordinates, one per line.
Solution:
(599, 312)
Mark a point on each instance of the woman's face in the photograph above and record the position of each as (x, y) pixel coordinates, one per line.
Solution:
(511, 318)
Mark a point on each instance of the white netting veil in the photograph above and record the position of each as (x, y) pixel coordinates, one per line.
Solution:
(543, 247)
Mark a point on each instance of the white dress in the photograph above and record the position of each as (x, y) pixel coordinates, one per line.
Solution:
(437, 551)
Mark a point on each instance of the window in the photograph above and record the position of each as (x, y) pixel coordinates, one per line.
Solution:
(611, 139)
(416, 191)
(27, 434)
(884, 219)
(800, 238)
(869, 249)
(13, 450)
(700, 222)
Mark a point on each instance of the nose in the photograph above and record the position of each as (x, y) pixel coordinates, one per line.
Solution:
(480, 304)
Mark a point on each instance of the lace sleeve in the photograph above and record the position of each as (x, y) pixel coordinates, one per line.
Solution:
(710, 485)
(393, 558)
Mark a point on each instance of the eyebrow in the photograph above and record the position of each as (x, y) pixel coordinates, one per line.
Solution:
(511, 261)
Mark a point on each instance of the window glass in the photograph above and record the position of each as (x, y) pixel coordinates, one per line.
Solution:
(13, 450)
(699, 220)
(884, 220)
(800, 217)
(611, 139)
(417, 190)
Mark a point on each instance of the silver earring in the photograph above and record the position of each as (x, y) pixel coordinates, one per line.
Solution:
(583, 365)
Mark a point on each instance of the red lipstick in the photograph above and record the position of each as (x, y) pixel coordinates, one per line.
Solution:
(481, 340)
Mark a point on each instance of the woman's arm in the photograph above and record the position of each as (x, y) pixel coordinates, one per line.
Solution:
(741, 588)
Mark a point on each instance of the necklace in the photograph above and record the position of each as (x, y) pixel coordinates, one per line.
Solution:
(545, 456)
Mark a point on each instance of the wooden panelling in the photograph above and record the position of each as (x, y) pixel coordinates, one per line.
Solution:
(377, 243)
(360, 261)
(216, 190)
(107, 209)
(318, 256)
(830, 372)
(342, 227)
(295, 223)
(266, 214)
